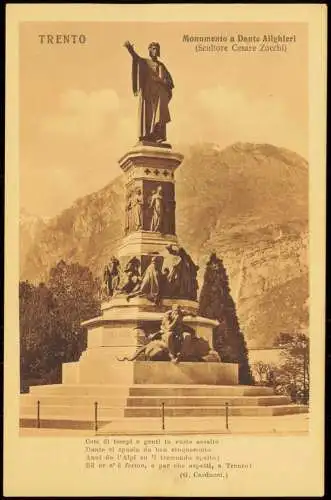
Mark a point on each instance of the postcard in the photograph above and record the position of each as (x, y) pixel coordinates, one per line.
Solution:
(164, 250)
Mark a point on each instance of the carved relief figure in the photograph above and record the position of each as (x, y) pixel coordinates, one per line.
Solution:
(104, 288)
(133, 266)
(128, 213)
(153, 83)
(165, 288)
(191, 271)
(157, 206)
(132, 276)
(182, 274)
(111, 276)
(150, 286)
(137, 210)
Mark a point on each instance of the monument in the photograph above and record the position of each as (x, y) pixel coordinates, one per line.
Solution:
(149, 342)
(150, 313)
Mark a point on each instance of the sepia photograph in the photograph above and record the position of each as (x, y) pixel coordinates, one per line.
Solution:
(164, 282)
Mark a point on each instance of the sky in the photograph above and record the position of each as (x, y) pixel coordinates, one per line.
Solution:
(78, 115)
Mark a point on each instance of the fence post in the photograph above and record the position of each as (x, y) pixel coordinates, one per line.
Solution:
(162, 412)
(96, 416)
(227, 416)
(38, 414)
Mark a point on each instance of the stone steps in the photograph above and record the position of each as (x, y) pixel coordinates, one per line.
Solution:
(141, 401)
(201, 390)
(60, 422)
(71, 411)
(213, 411)
(87, 412)
(150, 390)
(68, 419)
(291, 424)
(207, 401)
(72, 406)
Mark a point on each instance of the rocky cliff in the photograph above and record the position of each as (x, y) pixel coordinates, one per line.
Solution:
(248, 202)
(30, 228)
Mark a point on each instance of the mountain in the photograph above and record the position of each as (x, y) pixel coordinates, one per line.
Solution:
(30, 227)
(248, 202)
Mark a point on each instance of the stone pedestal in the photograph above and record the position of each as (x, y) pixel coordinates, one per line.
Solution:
(97, 370)
(120, 307)
(122, 330)
(148, 168)
(116, 337)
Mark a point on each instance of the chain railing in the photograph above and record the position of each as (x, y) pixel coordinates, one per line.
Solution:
(97, 409)
(162, 414)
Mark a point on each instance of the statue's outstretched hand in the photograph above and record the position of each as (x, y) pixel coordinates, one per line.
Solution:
(127, 44)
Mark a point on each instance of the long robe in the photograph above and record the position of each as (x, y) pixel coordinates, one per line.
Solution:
(137, 212)
(182, 274)
(158, 211)
(154, 83)
(128, 216)
(189, 275)
(150, 285)
(111, 278)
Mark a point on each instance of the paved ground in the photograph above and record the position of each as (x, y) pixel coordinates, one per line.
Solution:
(280, 425)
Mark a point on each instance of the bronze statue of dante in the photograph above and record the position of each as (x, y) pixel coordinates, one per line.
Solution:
(153, 83)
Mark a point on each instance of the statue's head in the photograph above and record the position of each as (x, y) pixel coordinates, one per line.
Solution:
(159, 190)
(176, 309)
(154, 49)
(213, 257)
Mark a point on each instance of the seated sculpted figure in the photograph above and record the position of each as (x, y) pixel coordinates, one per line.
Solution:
(149, 286)
(179, 342)
(176, 334)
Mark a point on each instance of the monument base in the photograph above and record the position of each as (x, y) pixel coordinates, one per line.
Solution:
(98, 390)
(122, 330)
(145, 142)
(97, 370)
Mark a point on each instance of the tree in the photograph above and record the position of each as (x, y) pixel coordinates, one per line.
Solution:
(291, 376)
(37, 318)
(50, 320)
(264, 373)
(216, 303)
(294, 378)
(75, 293)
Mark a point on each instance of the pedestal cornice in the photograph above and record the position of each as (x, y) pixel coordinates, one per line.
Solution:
(144, 155)
(145, 242)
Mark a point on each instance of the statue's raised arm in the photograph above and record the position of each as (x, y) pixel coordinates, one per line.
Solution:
(129, 46)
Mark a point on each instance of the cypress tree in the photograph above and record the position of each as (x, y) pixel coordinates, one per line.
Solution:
(215, 302)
